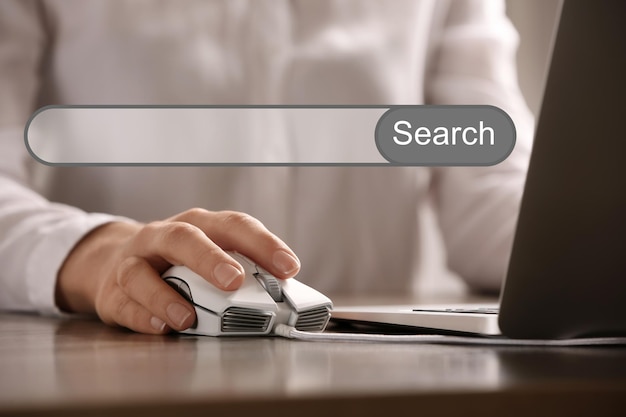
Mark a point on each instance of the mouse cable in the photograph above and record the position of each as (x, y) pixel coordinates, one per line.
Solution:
(291, 332)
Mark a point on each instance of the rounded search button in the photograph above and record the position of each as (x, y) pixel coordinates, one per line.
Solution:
(445, 135)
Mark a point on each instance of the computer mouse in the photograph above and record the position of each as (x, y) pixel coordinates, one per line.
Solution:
(262, 302)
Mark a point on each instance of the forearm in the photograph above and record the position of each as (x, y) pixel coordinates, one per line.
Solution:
(478, 206)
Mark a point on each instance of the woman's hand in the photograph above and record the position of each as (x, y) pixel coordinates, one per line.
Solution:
(115, 271)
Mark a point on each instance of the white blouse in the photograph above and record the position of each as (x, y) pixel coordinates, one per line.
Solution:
(355, 229)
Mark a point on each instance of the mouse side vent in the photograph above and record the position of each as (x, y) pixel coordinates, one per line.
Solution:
(245, 320)
(313, 320)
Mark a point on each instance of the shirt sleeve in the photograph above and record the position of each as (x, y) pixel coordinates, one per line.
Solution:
(35, 235)
(477, 207)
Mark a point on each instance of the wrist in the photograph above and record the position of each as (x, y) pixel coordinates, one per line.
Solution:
(88, 262)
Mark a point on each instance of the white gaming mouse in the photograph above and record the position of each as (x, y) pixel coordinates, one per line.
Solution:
(262, 302)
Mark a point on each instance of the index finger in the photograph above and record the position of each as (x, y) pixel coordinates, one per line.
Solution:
(182, 243)
(235, 231)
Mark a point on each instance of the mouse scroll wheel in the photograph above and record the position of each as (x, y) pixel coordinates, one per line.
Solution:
(271, 285)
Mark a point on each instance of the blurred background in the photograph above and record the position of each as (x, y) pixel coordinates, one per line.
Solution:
(535, 21)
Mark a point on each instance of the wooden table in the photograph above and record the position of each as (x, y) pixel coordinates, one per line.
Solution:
(80, 367)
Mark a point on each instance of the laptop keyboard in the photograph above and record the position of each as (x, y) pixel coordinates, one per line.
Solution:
(478, 310)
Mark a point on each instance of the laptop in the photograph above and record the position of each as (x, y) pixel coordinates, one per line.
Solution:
(567, 272)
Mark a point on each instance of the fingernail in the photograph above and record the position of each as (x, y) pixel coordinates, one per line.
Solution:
(285, 263)
(225, 274)
(157, 324)
(177, 313)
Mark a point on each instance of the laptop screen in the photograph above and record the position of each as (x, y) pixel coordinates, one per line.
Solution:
(567, 273)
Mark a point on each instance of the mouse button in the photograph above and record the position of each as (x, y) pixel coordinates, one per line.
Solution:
(301, 296)
(261, 271)
(244, 261)
(271, 285)
(180, 287)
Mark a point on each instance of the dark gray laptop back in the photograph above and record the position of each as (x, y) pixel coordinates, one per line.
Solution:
(567, 274)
